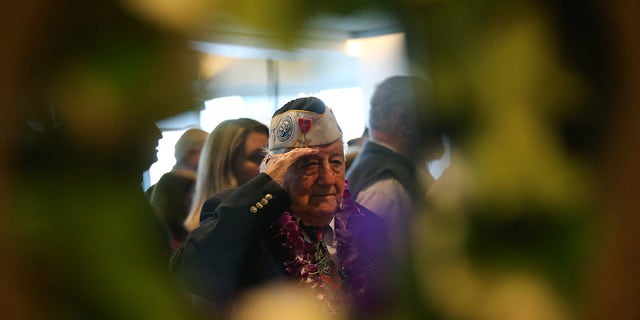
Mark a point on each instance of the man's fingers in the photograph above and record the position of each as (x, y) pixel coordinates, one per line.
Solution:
(277, 165)
(290, 157)
(297, 153)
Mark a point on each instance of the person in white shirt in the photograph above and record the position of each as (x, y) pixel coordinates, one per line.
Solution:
(389, 176)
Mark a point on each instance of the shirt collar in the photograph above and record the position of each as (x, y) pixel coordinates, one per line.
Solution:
(329, 233)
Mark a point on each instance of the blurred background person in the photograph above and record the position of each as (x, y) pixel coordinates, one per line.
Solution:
(187, 154)
(171, 199)
(231, 157)
(390, 175)
(188, 148)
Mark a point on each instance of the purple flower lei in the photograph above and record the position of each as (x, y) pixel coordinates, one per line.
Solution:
(297, 252)
(356, 269)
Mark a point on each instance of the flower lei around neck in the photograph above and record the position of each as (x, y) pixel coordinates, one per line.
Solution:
(297, 252)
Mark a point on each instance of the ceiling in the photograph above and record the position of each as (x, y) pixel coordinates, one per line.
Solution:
(322, 32)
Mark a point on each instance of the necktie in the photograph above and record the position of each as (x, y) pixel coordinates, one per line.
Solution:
(328, 273)
(326, 266)
(323, 259)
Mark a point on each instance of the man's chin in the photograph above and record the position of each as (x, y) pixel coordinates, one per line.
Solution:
(326, 211)
(324, 203)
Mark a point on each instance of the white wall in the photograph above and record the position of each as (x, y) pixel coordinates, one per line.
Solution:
(379, 58)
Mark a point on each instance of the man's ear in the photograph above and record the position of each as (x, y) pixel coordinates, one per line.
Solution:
(404, 121)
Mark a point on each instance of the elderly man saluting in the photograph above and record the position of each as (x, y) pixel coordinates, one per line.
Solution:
(294, 221)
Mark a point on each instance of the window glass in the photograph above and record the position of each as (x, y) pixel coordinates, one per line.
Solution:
(166, 159)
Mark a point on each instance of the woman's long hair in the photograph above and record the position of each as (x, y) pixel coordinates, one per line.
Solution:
(215, 170)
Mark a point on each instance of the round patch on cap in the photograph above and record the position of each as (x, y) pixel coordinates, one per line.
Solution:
(285, 129)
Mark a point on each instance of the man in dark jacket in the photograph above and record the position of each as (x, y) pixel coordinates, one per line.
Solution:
(291, 222)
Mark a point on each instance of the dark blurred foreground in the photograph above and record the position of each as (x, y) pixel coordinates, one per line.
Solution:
(536, 219)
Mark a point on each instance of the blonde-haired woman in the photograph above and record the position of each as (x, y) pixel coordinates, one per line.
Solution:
(231, 156)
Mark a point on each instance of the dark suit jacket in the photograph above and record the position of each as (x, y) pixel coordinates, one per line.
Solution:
(230, 250)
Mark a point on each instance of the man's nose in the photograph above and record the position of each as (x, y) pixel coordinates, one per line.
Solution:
(325, 174)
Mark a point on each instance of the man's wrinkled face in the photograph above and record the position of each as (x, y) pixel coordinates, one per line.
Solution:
(316, 184)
